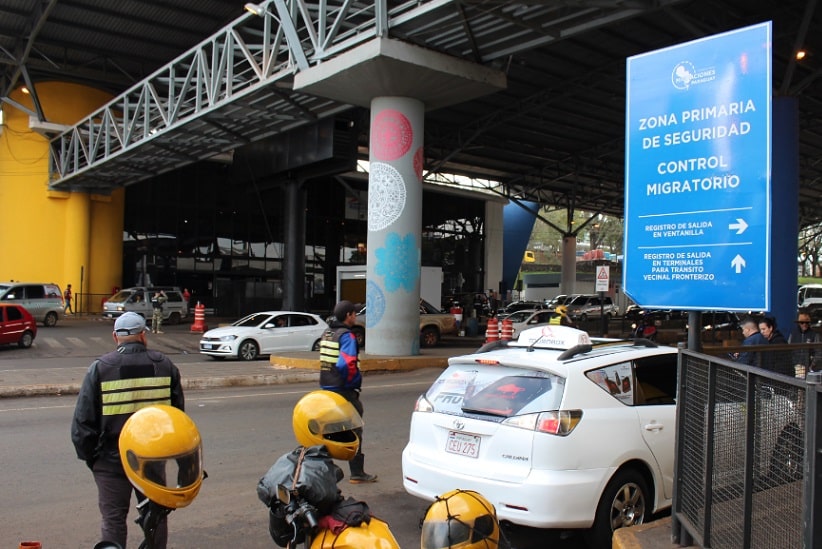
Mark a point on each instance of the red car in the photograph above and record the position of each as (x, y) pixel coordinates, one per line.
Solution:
(16, 325)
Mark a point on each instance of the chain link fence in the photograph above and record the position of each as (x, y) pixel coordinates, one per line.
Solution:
(747, 450)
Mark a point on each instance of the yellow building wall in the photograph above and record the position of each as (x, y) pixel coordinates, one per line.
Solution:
(49, 236)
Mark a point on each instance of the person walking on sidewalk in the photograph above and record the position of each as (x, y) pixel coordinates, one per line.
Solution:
(115, 386)
(157, 302)
(340, 372)
(67, 310)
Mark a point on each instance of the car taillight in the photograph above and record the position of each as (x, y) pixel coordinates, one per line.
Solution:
(557, 422)
(423, 405)
(560, 422)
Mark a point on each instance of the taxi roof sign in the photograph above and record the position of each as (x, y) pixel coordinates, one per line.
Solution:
(552, 337)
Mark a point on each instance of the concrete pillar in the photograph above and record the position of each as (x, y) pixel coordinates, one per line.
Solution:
(394, 226)
(493, 256)
(294, 264)
(784, 211)
(77, 234)
(568, 281)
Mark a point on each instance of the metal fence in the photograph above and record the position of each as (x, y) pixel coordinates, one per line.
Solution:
(748, 453)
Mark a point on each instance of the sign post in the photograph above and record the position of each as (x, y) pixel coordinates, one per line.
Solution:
(602, 282)
(698, 174)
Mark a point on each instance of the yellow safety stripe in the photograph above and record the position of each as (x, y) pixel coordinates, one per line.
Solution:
(119, 384)
(329, 351)
(124, 396)
(145, 394)
(132, 407)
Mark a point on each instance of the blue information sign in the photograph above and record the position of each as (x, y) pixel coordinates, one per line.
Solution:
(698, 173)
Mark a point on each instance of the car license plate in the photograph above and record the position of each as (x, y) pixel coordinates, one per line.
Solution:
(463, 444)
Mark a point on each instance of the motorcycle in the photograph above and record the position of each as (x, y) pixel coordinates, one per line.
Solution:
(358, 528)
(306, 507)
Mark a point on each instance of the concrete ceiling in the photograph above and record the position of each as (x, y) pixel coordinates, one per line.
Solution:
(555, 135)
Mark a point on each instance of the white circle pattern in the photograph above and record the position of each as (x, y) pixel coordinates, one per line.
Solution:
(386, 196)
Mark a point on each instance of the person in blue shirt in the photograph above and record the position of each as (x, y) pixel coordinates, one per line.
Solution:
(340, 372)
(750, 331)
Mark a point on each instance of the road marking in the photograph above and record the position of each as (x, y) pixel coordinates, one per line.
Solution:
(78, 342)
(51, 342)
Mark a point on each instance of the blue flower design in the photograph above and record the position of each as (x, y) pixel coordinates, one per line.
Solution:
(399, 262)
(374, 304)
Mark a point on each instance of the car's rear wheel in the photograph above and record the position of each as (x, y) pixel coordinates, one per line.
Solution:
(316, 346)
(359, 333)
(248, 350)
(624, 503)
(50, 320)
(174, 318)
(429, 337)
(787, 457)
(26, 340)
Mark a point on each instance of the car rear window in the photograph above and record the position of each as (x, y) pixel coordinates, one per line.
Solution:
(495, 391)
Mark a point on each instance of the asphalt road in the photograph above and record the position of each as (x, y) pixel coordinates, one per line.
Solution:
(49, 495)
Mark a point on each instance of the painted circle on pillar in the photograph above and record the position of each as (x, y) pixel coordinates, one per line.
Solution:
(391, 135)
(374, 304)
(418, 163)
(386, 196)
(398, 262)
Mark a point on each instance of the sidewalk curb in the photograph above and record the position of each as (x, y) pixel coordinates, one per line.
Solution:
(367, 363)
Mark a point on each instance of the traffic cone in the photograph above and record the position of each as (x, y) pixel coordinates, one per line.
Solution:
(492, 330)
(199, 325)
(507, 330)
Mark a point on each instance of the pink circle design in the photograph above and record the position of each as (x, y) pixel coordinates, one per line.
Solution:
(391, 135)
(418, 163)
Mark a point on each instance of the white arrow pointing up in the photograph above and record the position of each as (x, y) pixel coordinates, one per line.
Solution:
(740, 226)
(737, 263)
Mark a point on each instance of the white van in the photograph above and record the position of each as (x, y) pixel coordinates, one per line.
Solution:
(43, 301)
(138, 300)
(809, 296)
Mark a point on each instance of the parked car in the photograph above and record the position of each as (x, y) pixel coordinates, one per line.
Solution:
(561, 299)
(529, 318)
(138, 300)
(43, 301)
(17, 325)
(515, 306)
(586, 306)
(716, 321)
(264, 333)
(434, 323)
(562, 431)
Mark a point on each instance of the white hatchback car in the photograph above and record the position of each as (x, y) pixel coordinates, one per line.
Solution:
(265, 333)
(556, 430)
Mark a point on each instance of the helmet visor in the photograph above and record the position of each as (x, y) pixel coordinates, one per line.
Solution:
(439, 534)
(339, 419)
(173, 473)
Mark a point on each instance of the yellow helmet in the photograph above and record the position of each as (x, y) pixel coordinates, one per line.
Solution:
(327, 418)
(460, 519)
(561, 309)
(162, 454)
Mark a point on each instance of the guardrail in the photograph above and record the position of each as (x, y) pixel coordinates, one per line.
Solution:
(747, 453)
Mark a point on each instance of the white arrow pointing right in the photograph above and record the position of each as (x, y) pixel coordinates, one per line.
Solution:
(737, 263)
(739, 226)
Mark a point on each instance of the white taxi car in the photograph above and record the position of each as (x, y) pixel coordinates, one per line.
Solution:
(556, 430)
